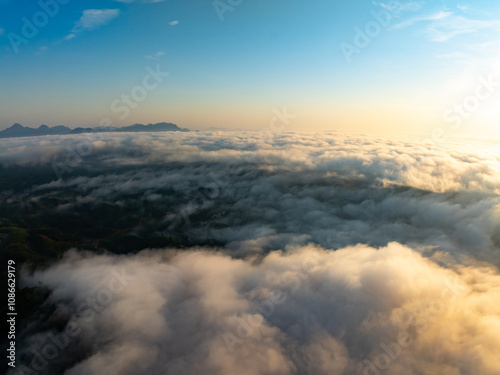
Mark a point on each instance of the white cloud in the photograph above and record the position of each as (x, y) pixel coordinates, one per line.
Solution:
(398, 7)
(432, 17)
(445, 25)
(173, 23)
(156, 55)
(95, 18)
(411, 6)
(443, 29)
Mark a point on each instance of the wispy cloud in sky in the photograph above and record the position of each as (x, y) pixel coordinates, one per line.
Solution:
(414, 20)
(155, 55)
(445, 25)
(93, 19)
(410, 6)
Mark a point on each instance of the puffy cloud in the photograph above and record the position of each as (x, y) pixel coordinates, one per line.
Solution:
(306, 310)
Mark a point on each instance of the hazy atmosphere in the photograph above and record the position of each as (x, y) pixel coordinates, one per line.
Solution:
(247, 187)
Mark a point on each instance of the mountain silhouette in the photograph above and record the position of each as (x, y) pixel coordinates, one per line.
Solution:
(17, 130)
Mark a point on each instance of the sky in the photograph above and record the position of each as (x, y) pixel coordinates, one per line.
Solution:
(423, 67)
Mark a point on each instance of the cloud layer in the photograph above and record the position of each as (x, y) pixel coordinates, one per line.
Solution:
(262, 192)
(338, 254)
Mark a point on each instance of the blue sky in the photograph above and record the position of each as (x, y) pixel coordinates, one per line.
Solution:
(235, 65)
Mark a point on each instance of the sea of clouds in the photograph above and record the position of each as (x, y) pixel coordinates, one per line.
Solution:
(342, 254)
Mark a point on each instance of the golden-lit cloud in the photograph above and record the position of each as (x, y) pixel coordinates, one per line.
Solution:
(357, 310)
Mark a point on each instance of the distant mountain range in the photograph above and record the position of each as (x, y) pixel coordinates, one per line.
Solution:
(17, 130)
